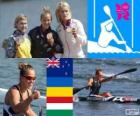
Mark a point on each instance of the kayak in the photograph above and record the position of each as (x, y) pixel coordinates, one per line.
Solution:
(93, 47)
(118, 99)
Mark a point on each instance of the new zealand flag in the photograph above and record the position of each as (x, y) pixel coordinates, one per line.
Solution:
(59, 72)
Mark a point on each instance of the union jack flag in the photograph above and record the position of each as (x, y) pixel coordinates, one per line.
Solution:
(65, 67)
(53, 63)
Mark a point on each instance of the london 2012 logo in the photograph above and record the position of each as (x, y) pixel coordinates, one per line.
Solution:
(113, 28)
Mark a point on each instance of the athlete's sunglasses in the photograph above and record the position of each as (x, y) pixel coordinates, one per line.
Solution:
(30, 78)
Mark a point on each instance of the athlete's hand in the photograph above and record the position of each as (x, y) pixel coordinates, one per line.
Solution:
(50, 39)
(74, 32)
(90, 82)
(36, 94)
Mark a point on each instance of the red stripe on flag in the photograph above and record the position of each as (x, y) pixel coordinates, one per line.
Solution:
(59, 99)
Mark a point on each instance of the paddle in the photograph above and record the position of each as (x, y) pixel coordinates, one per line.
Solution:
(76, 90)
(126, 71)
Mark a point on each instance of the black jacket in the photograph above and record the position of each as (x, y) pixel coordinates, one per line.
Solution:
(40, 48)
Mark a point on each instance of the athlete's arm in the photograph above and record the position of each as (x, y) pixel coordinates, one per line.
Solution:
(107, 79)
(30, 112)
(21, 106)
(90, 82)
(16, 104)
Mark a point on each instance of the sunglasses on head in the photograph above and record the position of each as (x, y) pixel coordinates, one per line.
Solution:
(30, 78)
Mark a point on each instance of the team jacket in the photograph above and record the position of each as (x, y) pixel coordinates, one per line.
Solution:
(40, 48)
(72, 45)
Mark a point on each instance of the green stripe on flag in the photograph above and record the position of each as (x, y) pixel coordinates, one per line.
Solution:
(59, 113)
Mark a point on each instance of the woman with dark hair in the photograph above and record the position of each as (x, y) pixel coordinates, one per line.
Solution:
(19, 97)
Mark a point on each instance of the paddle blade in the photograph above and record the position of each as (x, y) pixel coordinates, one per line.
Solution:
(128, 49)
(127, 71)
(107, 10)
(76, 90)
(138, 101)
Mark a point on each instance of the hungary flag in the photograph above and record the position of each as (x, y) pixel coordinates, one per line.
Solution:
(59, 89)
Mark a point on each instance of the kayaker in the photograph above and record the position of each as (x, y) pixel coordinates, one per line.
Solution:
(19, 97)
(96, 82)
(45, 41)
(70, 31)
(107, 35)
(18, 45)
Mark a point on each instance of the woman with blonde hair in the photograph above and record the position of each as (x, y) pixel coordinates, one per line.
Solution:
(18, 45)
(70, 31)
(19, 97)
(45, 41)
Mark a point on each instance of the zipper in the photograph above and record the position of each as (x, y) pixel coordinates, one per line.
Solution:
(67, 44)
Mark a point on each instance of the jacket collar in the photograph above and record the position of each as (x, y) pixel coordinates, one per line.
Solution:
(46, 31)
(18, 33)
(68, 22)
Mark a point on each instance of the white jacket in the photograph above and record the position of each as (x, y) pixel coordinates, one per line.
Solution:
(73, 46)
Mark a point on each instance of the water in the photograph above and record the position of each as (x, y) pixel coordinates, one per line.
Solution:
(10, 76)
(124, 85)
(32, 9)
